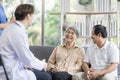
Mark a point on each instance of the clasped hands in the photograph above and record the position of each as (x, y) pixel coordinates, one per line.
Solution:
(92, 74)
(55, 69)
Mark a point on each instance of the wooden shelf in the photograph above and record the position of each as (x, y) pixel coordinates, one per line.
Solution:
(90, 36)
(85, 13)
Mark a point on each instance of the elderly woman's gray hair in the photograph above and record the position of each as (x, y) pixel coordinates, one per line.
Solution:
(73, 27)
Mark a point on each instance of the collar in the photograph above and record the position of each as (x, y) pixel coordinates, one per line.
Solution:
(74, 46)
(20, 24)
(104, 46)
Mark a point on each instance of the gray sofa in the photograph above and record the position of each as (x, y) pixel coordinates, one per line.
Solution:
(43, 52)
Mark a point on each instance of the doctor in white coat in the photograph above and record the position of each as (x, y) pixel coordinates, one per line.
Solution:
(19, 61)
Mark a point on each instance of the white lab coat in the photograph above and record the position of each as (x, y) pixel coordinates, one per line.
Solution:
(16, 53)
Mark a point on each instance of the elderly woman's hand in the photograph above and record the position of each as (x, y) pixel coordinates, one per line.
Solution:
(62, 69)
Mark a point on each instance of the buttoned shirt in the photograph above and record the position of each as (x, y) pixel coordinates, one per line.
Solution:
(16, 54)
(3, 18)
(71, 59)
(100, 58)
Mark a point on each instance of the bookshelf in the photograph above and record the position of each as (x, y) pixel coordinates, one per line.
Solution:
(109, 19)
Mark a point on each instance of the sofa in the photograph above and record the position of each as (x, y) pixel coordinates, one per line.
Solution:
(43, 52)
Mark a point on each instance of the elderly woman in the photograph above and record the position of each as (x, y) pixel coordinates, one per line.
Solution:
(66, 60)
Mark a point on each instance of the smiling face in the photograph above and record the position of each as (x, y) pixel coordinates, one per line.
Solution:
(70, 35)
(95, 37)
(99, 35)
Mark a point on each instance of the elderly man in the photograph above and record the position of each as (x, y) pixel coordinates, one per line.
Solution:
(103, 56)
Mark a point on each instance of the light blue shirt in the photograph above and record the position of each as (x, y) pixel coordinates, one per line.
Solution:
(3, 18)
(16, 53)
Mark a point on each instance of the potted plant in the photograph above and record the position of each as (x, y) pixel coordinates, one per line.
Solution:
(85, 2)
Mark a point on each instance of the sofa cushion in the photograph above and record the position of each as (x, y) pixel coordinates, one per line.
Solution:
(42, 52)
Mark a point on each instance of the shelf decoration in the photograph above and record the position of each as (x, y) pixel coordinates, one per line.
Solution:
(85, 2)
(65, 25)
